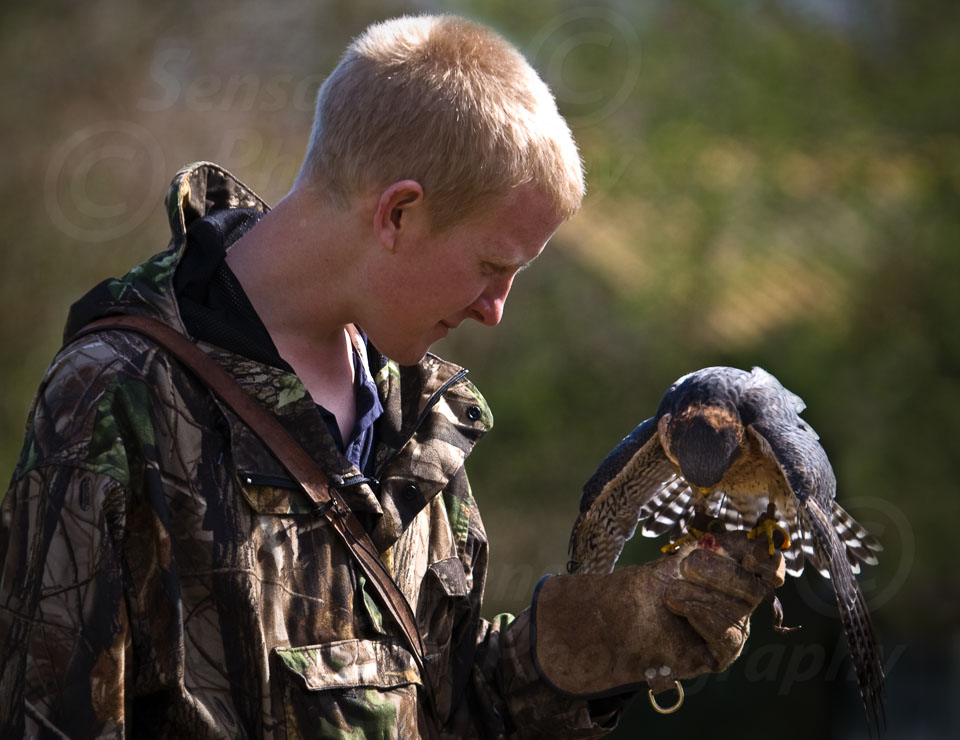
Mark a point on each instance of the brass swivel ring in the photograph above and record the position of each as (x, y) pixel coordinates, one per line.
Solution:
(667, 710)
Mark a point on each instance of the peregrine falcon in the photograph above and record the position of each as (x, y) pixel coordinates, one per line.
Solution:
(730, 444)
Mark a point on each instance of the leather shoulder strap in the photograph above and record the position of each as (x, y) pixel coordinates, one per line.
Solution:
(294, 459)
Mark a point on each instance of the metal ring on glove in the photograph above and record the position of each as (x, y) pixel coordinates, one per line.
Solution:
(667, 710)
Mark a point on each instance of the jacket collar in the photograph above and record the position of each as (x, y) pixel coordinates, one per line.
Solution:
(147, 290)
(200, 188)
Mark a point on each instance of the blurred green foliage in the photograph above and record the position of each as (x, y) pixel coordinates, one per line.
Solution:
(771, 183)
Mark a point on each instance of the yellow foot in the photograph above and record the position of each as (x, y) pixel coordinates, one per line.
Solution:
(692, 535)
(768, 527)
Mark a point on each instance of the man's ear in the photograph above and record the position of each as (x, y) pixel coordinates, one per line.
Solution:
(392, 217)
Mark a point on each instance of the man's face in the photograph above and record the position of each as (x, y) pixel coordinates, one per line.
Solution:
(435, 282)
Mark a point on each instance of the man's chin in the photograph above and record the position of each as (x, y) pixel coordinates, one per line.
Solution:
(412, 360)
(407, 355)
(403, 350)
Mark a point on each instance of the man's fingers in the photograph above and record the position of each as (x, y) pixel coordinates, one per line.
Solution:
(721, 573)
(723, 622)
(754, 555)
(686, 599)
(771, 568)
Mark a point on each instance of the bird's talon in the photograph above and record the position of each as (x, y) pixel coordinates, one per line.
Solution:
(769, 528)
(692, 535)
(671, 547)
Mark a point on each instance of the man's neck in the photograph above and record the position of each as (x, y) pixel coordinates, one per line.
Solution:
(296, 271)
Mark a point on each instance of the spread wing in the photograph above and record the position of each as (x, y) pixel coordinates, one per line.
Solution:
(631, 480)
(790, 444)
(829, 538)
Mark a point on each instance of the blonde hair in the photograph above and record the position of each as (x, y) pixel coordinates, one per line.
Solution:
(446, 102)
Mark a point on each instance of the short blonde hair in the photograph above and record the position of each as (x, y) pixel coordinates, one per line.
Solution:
(446, 102)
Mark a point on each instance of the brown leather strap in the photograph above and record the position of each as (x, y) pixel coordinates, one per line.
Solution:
(295, 460)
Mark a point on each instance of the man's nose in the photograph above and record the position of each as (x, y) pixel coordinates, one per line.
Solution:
(488, 308)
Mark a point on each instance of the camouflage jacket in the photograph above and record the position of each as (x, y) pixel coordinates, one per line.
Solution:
(162, 575)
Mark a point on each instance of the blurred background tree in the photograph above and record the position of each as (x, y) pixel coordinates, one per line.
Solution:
(772, 182)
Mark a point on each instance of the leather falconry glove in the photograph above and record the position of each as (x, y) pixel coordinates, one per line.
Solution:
(675, 618)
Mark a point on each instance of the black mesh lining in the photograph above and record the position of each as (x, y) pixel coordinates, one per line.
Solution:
(212, 303)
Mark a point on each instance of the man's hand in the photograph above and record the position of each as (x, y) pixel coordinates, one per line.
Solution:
(685, 614)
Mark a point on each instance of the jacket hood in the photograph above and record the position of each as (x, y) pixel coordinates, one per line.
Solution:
(147, 290)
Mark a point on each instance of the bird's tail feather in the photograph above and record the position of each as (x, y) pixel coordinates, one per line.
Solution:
(861, 546)
(854, 615)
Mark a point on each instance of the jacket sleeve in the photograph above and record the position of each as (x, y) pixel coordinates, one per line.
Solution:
(506, 678)
(503, 694)
(64, 632)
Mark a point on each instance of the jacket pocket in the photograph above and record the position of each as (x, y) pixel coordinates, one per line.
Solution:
(443, 597)
(448, 574)
(363, 686)
(443, 613)
(383, 664)
(273, 494)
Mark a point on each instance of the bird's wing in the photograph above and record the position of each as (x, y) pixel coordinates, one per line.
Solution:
(854, 615)
(760, 378)
(828, 536)
(615, 462)
(783, 399)
(621, 491)
(795, 448)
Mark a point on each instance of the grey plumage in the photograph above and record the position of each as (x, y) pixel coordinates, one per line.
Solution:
(729, 442)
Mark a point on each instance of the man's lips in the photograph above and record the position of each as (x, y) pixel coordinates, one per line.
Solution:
(446, 326)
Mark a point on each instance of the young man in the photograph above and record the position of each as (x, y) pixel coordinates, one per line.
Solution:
(164, 575)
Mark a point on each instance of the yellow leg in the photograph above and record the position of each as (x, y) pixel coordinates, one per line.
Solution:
(768, 527)
(692, 535)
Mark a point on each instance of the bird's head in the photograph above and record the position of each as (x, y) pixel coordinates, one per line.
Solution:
(702, 441)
